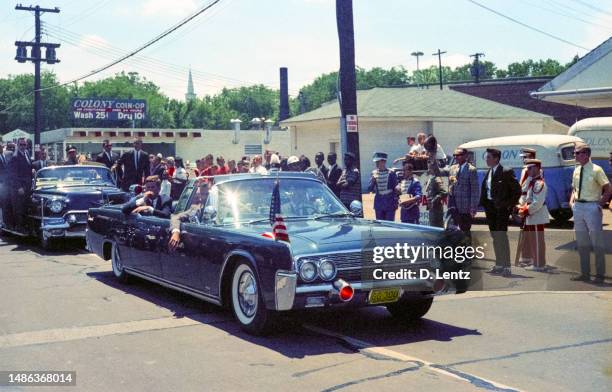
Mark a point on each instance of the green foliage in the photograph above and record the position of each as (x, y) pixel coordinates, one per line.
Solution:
(215, 112)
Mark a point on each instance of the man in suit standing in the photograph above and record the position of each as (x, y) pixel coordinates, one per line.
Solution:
(150, 202)
(463, 190)
(499, 193)
(156, 168)
(319, 159)
(334, 173)
(20, 172)
(135, 166)
(107, 157)
(42, 162)
(4, 187)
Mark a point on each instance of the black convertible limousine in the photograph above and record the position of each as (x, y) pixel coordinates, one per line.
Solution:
(228, 256)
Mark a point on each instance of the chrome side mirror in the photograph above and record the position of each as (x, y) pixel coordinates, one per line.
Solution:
(356, 207)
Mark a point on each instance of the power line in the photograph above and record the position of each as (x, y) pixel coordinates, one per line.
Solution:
(152, 64)
(141, 48)
(63, 34)
(591, 6)
(569, 16)
(526, 25)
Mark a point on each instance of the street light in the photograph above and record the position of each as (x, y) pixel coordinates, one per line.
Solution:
(417, 55)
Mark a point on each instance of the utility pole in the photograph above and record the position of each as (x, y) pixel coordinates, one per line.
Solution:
(439, 54)
(347, 97)
(36, 58)
(477, 69)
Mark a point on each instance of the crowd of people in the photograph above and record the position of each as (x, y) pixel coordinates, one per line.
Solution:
(500, 194)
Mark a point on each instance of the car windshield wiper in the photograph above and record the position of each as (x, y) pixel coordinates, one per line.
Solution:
(334, 215)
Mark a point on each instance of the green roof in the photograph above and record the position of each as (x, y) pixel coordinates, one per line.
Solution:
(415, 102)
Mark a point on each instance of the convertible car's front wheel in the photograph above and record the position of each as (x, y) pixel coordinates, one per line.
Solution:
(247, 302)
(117, 264)
(410, 310)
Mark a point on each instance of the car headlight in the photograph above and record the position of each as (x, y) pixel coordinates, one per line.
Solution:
(327, 270)
(56, 206)
(308, 270)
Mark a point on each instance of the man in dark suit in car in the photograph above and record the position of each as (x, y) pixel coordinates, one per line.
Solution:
(499, 193)
(195, 213)
(135, 165)
(150, 202)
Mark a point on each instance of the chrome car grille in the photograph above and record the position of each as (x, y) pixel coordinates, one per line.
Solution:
(352, 266)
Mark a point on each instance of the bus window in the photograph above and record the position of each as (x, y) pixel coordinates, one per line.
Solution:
(567, 153)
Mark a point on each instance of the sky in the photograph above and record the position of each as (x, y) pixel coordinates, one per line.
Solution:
(242, 42)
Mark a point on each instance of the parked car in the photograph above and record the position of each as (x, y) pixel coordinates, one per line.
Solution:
(60, 198)
(556, 153)
(229, 257)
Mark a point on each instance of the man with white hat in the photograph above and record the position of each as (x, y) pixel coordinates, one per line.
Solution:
(533, 209)
(383, 183)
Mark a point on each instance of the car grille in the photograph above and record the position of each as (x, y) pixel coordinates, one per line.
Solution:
(81, 217)
(354, 266)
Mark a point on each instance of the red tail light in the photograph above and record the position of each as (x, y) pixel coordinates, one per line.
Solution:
(345, 291)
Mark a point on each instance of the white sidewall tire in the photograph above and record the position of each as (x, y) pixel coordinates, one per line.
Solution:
(240, 315)
(117, 264)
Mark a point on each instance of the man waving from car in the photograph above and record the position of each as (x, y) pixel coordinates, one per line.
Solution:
(151, 202)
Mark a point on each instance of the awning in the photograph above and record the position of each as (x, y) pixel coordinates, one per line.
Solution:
(599, 97)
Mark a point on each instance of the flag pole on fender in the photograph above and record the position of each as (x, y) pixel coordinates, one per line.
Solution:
(279, 229)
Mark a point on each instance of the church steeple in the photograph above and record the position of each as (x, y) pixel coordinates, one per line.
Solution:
(190, 96)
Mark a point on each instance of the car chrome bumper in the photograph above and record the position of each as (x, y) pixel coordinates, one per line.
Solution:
(284, 289)
(325, 294)
(63, 230)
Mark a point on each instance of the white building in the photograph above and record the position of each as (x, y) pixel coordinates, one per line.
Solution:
(588, 83)
(388, 115)
(190, 144)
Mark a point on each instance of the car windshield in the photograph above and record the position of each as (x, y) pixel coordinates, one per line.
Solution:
(249, 200)
(73, 175)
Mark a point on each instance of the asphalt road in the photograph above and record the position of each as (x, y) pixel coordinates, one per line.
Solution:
(64, 311)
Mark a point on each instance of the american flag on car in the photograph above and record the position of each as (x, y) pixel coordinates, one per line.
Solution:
(279, 230)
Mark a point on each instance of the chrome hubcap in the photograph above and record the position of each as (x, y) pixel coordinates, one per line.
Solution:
(117, 260)
(247, 294)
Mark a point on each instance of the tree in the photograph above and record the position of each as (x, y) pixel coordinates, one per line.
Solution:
(17, 98)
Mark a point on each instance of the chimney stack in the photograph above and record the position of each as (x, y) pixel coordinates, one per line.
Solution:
(284, 95)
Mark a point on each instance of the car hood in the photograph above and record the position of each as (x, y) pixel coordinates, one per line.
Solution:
(337, 235)
(86, 196)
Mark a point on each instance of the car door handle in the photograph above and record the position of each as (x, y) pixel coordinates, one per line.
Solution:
(150, 237)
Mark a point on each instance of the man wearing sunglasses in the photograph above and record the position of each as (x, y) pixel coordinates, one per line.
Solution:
(590, 191)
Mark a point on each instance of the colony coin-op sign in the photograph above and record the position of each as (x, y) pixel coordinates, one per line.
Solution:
(109, 109)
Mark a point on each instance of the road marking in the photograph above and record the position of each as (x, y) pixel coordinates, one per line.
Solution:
(371, 349)
(96, 331)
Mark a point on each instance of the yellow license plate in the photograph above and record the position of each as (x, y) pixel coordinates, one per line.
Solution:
(381, 296)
